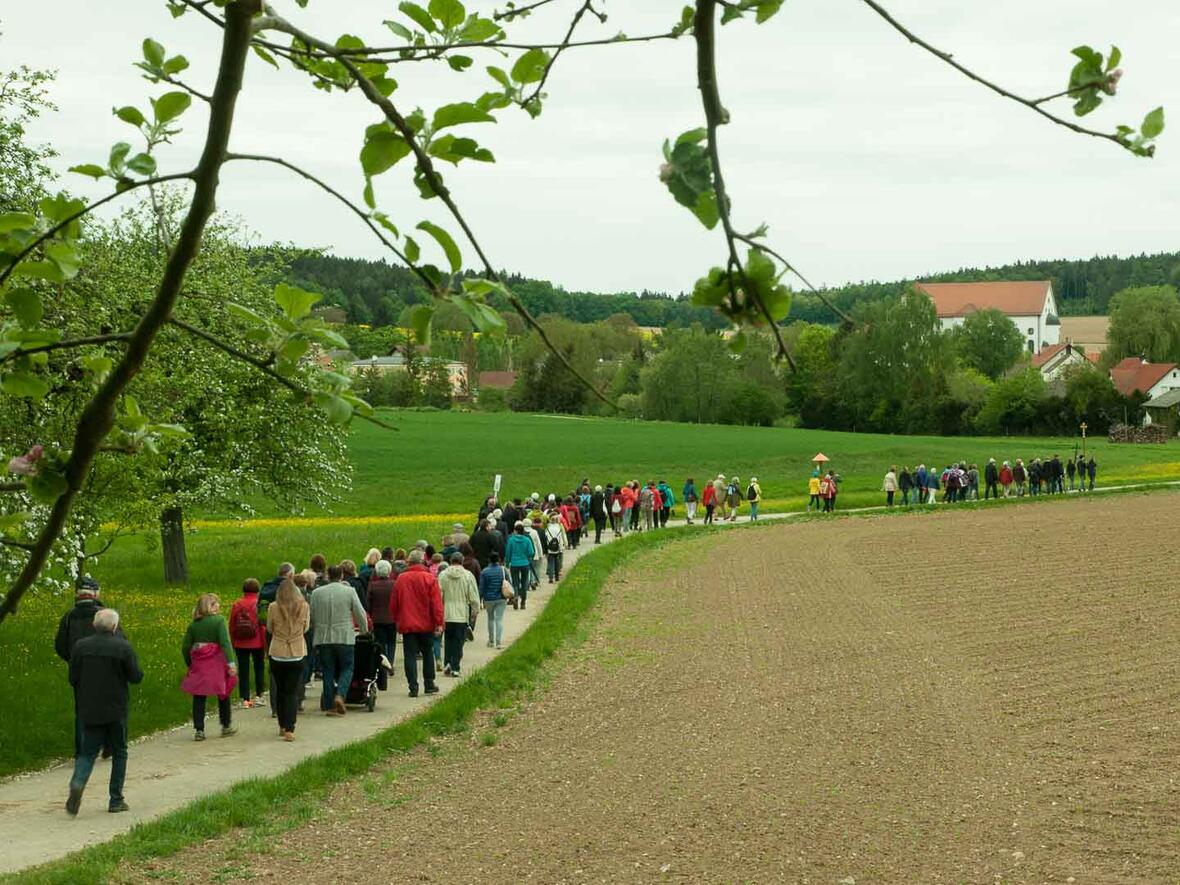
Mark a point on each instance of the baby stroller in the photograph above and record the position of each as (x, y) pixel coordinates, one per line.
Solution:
(365, 671)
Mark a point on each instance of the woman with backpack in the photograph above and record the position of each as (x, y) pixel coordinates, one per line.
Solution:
(827, 491)
(733, 499)
(554, 540)
(754, 496)
(491, 593)
(212, 668)
(249, 641)
(288, 620)
(689, 494)
(571, 521)
(519, 553)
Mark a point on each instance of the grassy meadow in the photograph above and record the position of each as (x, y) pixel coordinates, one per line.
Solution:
(416, 481)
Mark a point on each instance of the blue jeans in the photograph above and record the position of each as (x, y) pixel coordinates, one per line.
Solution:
(535, 572)
(495, 612)
(94, 737)
(336, 661)
(753, 511)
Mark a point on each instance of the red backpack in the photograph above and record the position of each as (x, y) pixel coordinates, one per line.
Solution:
(242, 627)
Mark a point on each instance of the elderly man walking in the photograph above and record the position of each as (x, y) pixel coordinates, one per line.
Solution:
(417, 608)
(77, 624)
(336, 613)
(102, 666)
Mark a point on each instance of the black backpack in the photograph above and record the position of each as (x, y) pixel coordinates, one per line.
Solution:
(553, 545)
(751, 493)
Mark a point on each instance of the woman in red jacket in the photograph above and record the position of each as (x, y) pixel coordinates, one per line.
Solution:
(709, 499)
(248, 636)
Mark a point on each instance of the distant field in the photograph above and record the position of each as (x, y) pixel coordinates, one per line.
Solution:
(444, 462)
(413, 483)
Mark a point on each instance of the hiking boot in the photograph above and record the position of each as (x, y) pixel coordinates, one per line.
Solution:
(338, 705)
(447, 670)
(228, 731)
(413, 692)
(74, 802)
(198, 736)
(432, 689)
(116, 807)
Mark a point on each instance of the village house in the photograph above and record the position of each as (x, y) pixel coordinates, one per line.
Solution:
(1030, 305)
(1159, 382)
(456, 371)
(1056, 358)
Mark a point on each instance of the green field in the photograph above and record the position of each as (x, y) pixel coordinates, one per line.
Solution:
(412, 483)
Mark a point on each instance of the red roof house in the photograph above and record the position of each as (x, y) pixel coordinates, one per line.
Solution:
(1029, 304)
(1137, 375)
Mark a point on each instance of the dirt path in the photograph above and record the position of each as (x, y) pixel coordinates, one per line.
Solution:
(986, 696)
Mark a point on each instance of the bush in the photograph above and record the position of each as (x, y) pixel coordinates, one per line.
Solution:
(492, 399)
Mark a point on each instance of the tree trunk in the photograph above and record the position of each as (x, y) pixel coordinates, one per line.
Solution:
(175, 556)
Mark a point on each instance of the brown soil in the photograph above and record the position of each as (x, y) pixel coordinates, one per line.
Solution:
(983, 696)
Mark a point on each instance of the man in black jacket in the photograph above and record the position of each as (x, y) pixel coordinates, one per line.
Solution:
(486, 540)
(991, 479)
(76, 624)
(102, 667)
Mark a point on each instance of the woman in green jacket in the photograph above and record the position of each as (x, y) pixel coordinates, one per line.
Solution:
(212, 667)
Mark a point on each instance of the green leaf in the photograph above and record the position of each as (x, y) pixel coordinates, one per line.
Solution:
(26, 306)
(459, 62)
(97, 365)
(65, 257)
(129, 114)
(449, 13)
(142, 164)
(337, 409)
(483, 316)
(500, 76)
(1153, 123)
(1116, 55)
(39, 270)
(171, 431)
(452, 149)
(265, 55)
(245, 313)
(420, 317)
(23, 384)
(454, 256)
(91, 169)
(295, 303)
(399, 29)
(706, 209)
(737, 344)
(382, 149)
(421, 17)
(412, 250)
(293, 349)
(480, 30)
(767, 9)
(530, 67)
(458, 114)
(175, 65)
(47, 485)
(171, 105)
(759, 268)
(382, 219)
(10, 221)
(153, 52)
(118, 155)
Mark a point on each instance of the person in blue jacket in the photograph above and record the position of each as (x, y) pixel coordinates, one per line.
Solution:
(668, 500)
(491, 593)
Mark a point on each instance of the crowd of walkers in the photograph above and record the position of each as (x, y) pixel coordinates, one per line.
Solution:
(961, 481)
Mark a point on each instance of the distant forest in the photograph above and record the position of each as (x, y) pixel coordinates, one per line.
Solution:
(376, 293)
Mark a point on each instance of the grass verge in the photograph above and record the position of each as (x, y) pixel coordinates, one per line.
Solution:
(292, 794)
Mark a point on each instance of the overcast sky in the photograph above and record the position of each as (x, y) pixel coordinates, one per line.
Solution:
(868, 158)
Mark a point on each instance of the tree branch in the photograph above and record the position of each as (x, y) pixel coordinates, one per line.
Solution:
(261, 365)
(703, 31)
(426, 166)
(98, 417)
(999, 90)
(68, 343)
(360, 213)
(10, 542)
(749, 241)
(53, 231)
(12, 486)
(510, 14)
(587, 6)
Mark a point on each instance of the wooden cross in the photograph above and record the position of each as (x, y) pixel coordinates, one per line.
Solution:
(1084, 426)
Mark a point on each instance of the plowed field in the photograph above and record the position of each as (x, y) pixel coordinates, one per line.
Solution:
(975, 696)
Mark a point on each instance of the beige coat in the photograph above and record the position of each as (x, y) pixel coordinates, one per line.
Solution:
(286, 632)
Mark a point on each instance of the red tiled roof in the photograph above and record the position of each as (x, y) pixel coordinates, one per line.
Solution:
(1132, 374)
(497, 379)
(1094, 357)
(1013, 298)
(1046, 354)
